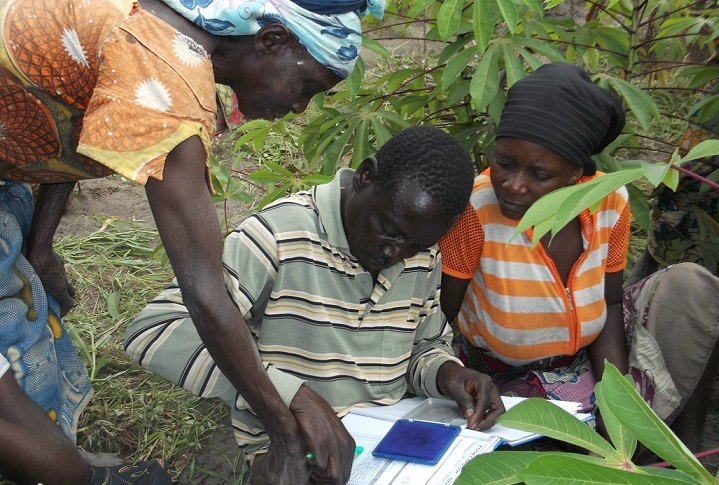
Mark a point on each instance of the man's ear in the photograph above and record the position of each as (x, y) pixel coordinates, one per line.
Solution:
(365, 173)
(273, 38)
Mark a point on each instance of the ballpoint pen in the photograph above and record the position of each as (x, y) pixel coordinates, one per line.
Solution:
(358, 450)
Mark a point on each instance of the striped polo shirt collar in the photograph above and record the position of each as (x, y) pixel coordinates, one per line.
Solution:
(327, 198)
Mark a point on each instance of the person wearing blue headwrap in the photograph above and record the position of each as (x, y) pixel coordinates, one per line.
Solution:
(330, 31)
(128, 87)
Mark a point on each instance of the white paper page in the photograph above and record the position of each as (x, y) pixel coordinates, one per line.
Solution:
(389, 413)
(369, 470)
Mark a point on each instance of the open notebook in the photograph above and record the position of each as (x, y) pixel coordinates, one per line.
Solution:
(368, 425)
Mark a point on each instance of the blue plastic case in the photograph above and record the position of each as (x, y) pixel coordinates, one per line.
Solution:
(416, 441)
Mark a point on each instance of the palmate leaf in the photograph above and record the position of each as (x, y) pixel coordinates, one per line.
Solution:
(568, 202)
(642, 422)
(542, 417)
(560, 469)
(624, 442)
(496, 468)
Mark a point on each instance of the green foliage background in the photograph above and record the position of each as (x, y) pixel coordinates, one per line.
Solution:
(644, 51)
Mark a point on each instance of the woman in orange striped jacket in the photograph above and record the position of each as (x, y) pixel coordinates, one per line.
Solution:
(541, 321)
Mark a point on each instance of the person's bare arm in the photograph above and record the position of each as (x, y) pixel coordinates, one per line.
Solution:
(32, 448)
(453, 290)
(190, 231)
(611, 344)
(49, 206)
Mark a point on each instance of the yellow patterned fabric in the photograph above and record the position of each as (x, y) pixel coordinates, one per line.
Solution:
(90, 88)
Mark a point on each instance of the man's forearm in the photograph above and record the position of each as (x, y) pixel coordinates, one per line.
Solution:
(49, 207)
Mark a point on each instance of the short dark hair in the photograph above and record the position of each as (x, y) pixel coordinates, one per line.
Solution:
(433, 159)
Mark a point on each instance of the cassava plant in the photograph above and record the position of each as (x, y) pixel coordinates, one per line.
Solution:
(638, 48)
(628, 420)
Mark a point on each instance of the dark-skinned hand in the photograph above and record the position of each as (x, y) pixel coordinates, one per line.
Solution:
(475, 394)
(51, 270)
(285, 463)
(326, 437)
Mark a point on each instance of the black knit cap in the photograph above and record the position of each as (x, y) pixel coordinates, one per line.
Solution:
(559, 107)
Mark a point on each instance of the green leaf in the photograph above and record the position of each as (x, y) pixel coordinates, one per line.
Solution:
(375, 47)
(485, 82)
(420, 6)
(512, 65)
(334, 152)
(640, 206)
(558, 469)
(509, 13)
(707, 148)
(113, 304)
(713, 177)
(448, 18)
(455, 66)
(567, 202)
(671, 179)
(542, 417)
(275, 194)
(700, 75)
(655, 172)
(643, 423)
(622, 439)
(496, 468)
(483, 25)
(381, 133)
(639, 102)
(268, 177)
(361, 146)
(277, 168)
(354, 80)
(578, 200)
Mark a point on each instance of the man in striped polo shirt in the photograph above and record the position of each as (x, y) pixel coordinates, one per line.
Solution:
(340, 287)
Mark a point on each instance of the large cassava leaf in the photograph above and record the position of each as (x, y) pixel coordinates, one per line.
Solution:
(455, 66)
(448, 18)
(558, 469)
(483, 25)
(642, 422)
(624, 442)
(566, 203)
(638, 101)
(542, 417)
(707, 148)
(485, 83)
(599, 188)
(509, 13)
(496, 468)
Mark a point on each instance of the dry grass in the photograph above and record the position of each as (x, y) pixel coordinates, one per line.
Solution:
(134, 413)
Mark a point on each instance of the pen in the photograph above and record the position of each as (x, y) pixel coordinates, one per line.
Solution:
(358, 450)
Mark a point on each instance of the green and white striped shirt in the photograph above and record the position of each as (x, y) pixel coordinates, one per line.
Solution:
(315, 312)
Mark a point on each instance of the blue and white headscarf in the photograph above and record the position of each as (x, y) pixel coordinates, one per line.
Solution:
(330, 30)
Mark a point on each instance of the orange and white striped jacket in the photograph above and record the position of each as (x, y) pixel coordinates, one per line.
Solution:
(516, 305)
